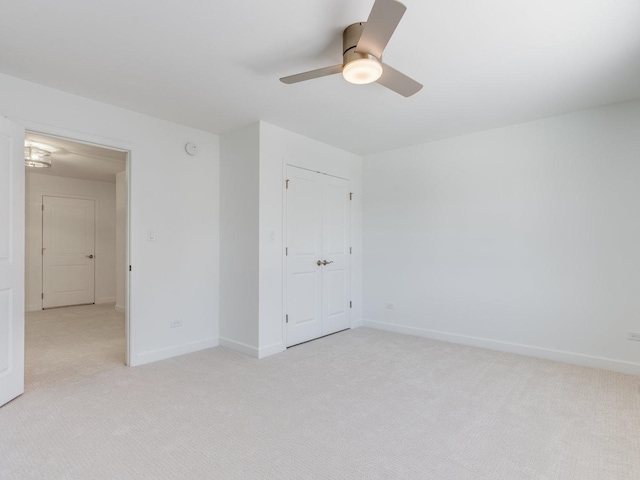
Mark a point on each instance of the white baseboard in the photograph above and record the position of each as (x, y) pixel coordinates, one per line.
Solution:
(169, 352)
(357, 323)
(100, 301)
(120, 309)
(32, 308)
(240, 347)
(520, 349)
(271, 350)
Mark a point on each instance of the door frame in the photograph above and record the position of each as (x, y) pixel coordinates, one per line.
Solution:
(96, 214)
(286, 165)
(113, 144)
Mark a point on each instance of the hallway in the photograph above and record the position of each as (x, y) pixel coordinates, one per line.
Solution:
(64, 345)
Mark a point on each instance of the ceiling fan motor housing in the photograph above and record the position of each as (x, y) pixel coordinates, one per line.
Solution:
(350, 38)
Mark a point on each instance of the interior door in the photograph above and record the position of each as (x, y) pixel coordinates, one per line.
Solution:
(336, 279)
(68, 257)
(304, 249)
(318, 263)
(11, 260)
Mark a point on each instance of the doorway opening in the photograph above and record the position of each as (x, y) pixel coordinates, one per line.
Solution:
(76, 259)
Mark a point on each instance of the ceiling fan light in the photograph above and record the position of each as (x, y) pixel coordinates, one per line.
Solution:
(362, 70)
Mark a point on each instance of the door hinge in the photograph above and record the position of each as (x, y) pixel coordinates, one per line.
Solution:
(43, 207)
(350, 250)
(350, 304)
(287, 317)
(286, 251)
(129, 267)
(42, 295)
(287, 184)
(42, 250)
(350, 195)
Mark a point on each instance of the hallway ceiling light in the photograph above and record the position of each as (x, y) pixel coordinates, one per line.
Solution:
(36, 156)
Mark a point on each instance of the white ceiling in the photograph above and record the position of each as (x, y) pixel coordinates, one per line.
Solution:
(215, 65)
(79, 160)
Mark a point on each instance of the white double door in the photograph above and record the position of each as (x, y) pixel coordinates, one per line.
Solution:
(68, 258)
(318, 255)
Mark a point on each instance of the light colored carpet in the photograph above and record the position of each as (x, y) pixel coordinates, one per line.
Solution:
(359, 404)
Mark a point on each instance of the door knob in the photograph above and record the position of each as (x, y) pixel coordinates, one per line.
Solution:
(324, 262)
(89, 256)
(319, 262)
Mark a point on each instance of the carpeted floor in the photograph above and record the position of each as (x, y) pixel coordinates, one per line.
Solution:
(358, 404)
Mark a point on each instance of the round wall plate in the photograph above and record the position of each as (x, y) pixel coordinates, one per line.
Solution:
(191, 148)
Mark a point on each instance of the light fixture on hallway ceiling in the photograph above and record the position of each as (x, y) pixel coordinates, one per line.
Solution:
(36, 155)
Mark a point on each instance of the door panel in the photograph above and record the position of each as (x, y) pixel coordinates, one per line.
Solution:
(11, 260)
(68, 251)
(317, 229)
(304, 245)
(304, 311)
(335, 249)
(335, 217)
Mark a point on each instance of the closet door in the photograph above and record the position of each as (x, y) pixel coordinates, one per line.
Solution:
(318, 263)
(335, 251)
(304, 248)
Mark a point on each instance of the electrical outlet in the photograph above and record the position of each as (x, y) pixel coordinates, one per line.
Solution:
(635, 336)
(390, 306)
(175, 323)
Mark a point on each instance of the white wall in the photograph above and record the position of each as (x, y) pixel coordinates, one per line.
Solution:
(104, 195)
(239, 178)
(121, 241)
(254, 160)
(177, 276)
(522, 238)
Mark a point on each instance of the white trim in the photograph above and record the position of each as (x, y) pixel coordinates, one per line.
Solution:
(120, 309)
(105, 300)
(169, 352)
(283, 320)
(271, 349)
(239, 347)
(517, 348)
(357, 323)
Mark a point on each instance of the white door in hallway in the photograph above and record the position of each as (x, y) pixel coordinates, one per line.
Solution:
(11, 260)
(317, 255)
(68, 253)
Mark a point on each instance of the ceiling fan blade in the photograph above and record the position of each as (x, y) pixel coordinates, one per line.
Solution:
(321, 72)
(382, 22)
(398, 82)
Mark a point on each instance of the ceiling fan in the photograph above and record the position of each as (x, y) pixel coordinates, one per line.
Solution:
(362, 46)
